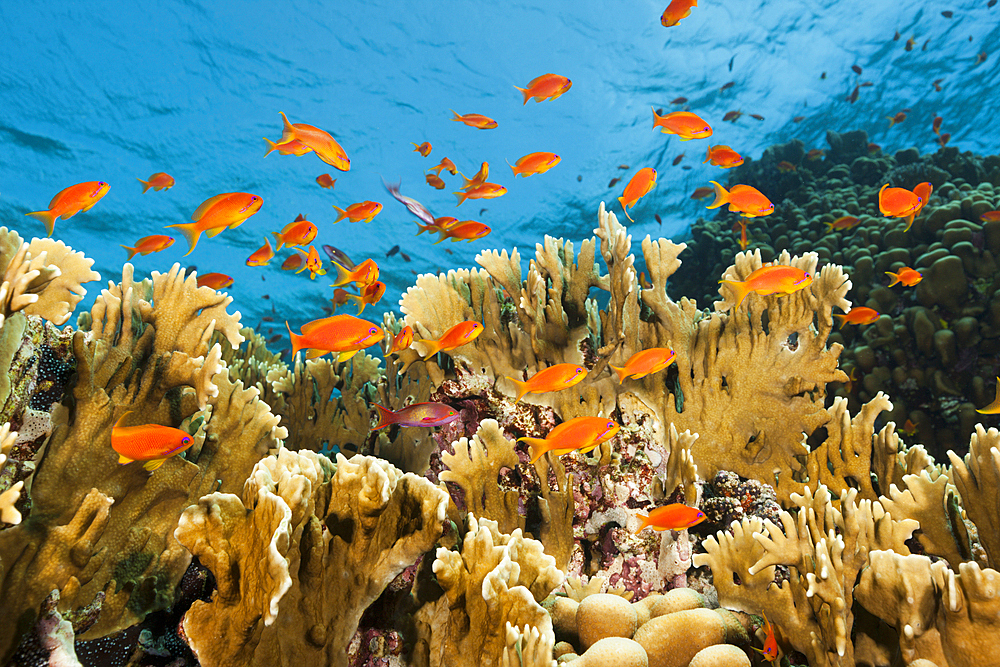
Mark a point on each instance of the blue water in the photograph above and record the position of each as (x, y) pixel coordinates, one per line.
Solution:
(115, 91)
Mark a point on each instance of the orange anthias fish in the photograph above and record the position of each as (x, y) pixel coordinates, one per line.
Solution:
(69, 202)
(416, 414)
(298, 232)
(785, 167)
(312, 262)
(262, 255)
(581, 433)
(293, 261)
(742, 225)
(777, 279)
(325, 181)
(151, 443)
(675, 11)
(466, 230)
(702, 192)
(365, 210)
(908, 428)
(674, 516)
(369, 294)
(545, 87)
(723, 156)
(215, 214)
(923, 191)
(215, 280)
(292, 147)
(905, 276)
(534, 163)
(148, 244)
(897, 119)
(553, 378)
(158, 181)
(684, 124)
(434, 181)
(858, 315)
(424, 148)
(843, 222)
(770, 650)
(644, 363)
(743, 199)
(461, 334)
(815, 154)
(994, 407)
(402, 340)
(478, 179)
(323, 144)
(475, 120)
(898, 203)
(343, 334)
(637, 188)
(363, 274)
(990, 216)
(445, 164)
(484, 191)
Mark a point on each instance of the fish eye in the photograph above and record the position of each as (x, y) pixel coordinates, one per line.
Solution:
(610, 424)
(373, 330)
(185, 440)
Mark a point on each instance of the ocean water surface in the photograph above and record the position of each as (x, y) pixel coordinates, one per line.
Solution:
(116, 91)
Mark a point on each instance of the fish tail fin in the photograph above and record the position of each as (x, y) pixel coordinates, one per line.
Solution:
(741, 288)
(895, 278)
(622, 374)
(536, 447)
(272, 146)
(829, 227)
(341, 214)
(279, 241)
(522, 387)
(721, 196)
(458, 116)
(708, 155)
(842, 319)
(384, 416)
(512, 167)
(621, 200)
(190, 232)
(343, 275)
(296, 339)
(131, 252)
(527, 95)
(145, 185)
(358, 301)
(644, 524)
(461, 197)
(432, 346)
(47, 217)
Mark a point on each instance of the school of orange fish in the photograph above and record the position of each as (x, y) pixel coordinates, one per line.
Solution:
(345, 335)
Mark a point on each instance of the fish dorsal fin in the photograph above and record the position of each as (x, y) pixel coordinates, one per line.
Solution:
(118, 424)
(200, 212)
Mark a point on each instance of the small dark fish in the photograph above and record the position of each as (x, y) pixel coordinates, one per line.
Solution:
(947, 13)
(727, 85)
(924, 47)
(483, 210)
(677, 160)
(856, 68)
(798, 119)
(981, 57)
(896, 37)
(191, 269)
(613, 182)
(731, 63)
(450, 252)
(339, 256)
(991, 3)
(937, 84)
(623, 166)
(392, 251)
(756, 116)
(866, 84)
(679, 100)
(406, 258)
(265, 296)
(267, 318)
(274, 339)
(579, 179)
(823, 75)
(910, 43)
(659, 112)
(853, 97)
(686, 167)
(656, 216)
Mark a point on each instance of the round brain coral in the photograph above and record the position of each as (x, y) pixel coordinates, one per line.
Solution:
(604, 615)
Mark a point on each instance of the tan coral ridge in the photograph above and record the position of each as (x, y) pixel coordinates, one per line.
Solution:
(96, 527)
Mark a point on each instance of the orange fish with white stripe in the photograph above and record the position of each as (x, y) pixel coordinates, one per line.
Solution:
(70, 201)
(151, 443)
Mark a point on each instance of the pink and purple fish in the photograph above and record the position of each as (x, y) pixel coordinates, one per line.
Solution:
(411, 204)
(418, 414)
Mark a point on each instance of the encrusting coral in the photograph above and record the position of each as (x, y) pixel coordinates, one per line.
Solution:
(308, 548)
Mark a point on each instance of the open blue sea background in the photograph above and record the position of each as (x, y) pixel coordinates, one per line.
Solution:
(116, 91)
